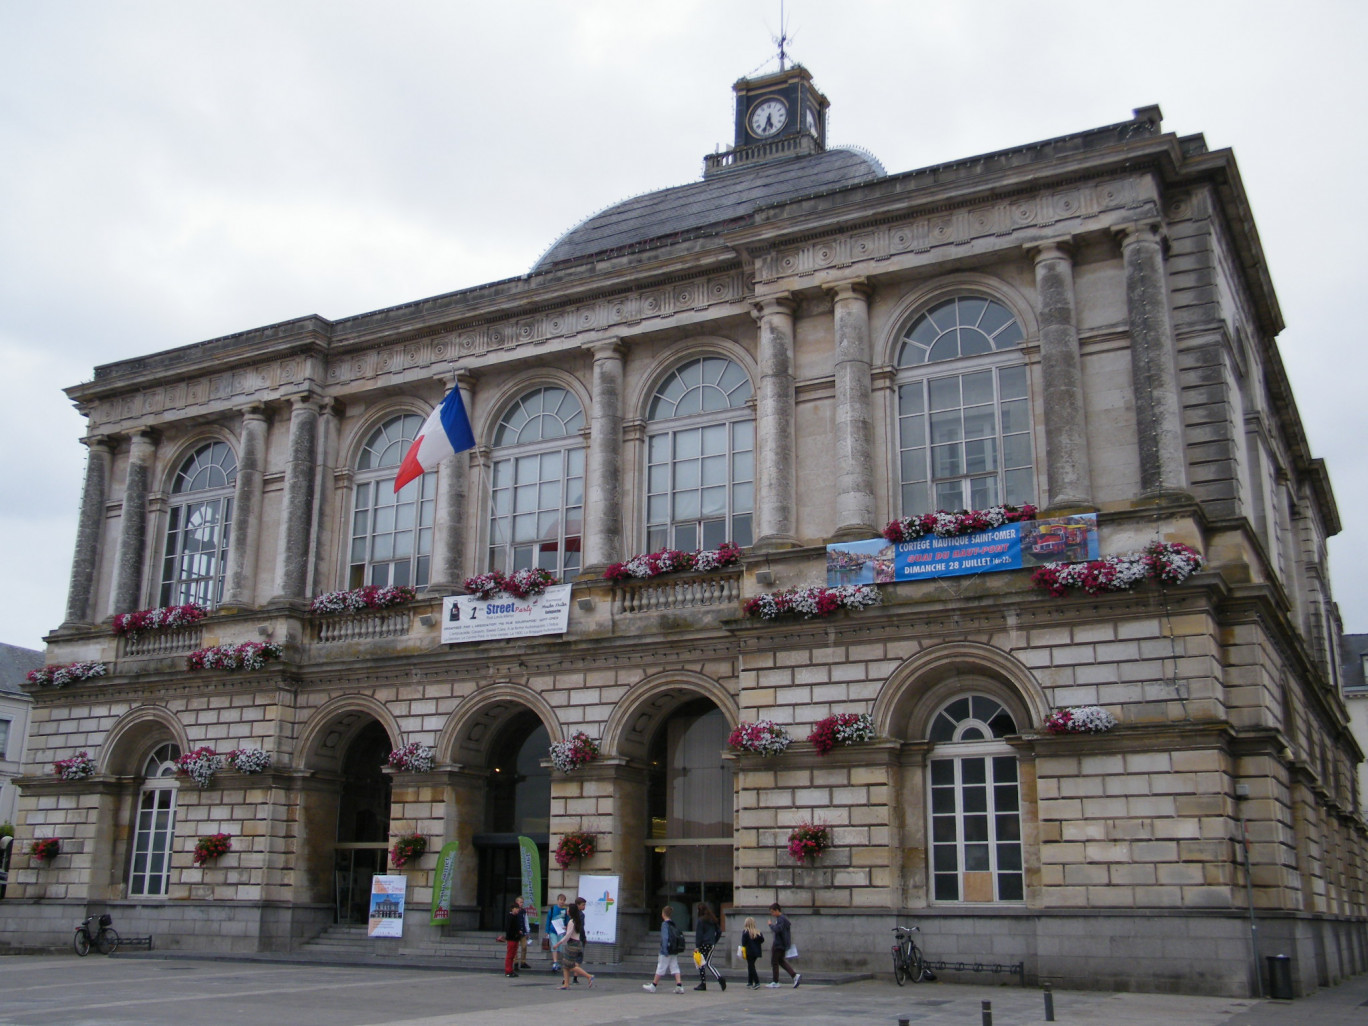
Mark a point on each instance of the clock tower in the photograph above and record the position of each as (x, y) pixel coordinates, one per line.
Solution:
(779, 115)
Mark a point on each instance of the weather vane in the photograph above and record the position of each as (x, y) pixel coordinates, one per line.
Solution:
(782, 38)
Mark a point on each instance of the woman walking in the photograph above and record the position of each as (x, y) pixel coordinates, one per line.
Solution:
(571, 946)
(752, 946)
(707, 932)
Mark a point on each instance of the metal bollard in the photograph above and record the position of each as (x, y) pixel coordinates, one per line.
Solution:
(1049, 1004)
(987, 1013)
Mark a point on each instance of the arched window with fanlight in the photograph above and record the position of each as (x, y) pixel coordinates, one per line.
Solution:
(537, 484)
(198, 526)
(964, 412)
(974, 803)
(154, 827)
(391, 534)
(700, 464)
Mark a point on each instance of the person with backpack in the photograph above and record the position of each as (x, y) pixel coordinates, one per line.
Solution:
(782, 929)
(557, 918)
(671, 946)
(707, 932)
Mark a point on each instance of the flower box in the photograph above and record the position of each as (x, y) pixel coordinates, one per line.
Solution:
(1079, 719)
(841, 729)
(519, 584)
(764, 737)
(45, 849)
(249, 760)
(808, 841)
(211, 846)
(576, 750)
(200, 765)
(406, 849)
(670, 561)
(61, 676)
(574, 846)
(161, 618)
(812, 603)
(949, 525)
(250, 655)
(1166, 562)
(414, 757)
(78, 767)
(359, 600)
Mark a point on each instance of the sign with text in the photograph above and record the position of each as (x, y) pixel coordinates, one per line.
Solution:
(529, 858)
(600, 894)
(467, 618)
(1009, 547)
(446, 874)
(387, 906)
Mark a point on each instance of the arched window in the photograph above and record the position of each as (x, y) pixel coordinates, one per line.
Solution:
(964, 437)
(155, 828)
(391, 536)
(975, 803)
(700, 464)
(537, 497)
(198, 526)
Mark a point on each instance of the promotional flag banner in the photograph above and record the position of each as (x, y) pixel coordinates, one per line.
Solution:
(446, 432)
(530, 859)
(441, 893)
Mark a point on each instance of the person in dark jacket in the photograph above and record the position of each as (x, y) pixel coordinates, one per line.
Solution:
(752, 946)
(707, 932)
(513, 932)
(783, 940)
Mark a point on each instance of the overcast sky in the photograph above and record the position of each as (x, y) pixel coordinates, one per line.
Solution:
(175, 170)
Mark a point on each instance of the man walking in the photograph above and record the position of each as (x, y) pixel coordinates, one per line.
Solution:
(783, 940)
(671, 944)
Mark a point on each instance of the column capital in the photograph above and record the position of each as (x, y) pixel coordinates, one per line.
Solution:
(254, 411)
(855, 288)
(464, 379)
(141, 434)
(303, 400)
(1051, 249)
(1148, 230)
(606, 348)
(768, 306)
(104, 443)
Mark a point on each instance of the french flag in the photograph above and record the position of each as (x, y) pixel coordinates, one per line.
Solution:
(445, 433)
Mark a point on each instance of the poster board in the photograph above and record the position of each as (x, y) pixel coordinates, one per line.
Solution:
(600, 911)
(466, 618)
(387, 906)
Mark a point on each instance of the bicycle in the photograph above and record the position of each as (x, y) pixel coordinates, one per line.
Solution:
(106, 938)
(908, 961)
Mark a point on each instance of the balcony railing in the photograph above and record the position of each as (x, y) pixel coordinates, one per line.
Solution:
(150, 644)
(383, 623)
(713, 589)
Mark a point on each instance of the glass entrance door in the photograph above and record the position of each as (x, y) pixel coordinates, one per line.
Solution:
(353, 867)
(500, 875)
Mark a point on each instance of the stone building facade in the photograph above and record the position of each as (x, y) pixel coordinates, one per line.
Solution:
(1086, 323)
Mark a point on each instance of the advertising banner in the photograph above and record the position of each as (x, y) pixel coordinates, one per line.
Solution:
(600, 912)
(387, 906)
(441, 891)
(467, 618)
(1009, 547)
(530, 860)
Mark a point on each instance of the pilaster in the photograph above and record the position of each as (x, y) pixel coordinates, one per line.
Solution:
(854, 411)
(1069, 478)
(128, 563)
(603, 485)
(453, 496)
(775, 416)
(86, 558)
(292, 557)
(239, 588)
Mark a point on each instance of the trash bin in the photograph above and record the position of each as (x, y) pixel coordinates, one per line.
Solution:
(1280, 977)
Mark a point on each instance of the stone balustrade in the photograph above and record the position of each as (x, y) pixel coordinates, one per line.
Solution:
(713, 589)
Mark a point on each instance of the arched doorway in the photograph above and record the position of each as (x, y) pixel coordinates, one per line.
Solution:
(517, 804)
(363, 812)
(689, 808)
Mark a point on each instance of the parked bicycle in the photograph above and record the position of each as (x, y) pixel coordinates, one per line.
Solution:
(105, 939)
(908, 961)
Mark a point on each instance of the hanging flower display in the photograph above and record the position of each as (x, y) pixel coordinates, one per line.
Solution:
(808, 841)
(948, 525)
(812, 603)
(574, 846)
(763, 737)
(45, 849)
(78, 767)
(406, 849)
(520, 583)
(211, 846)
(358, 600)
(576, 750)
(200, 765)
(250, 655)
(61, 676)
(249, 760)
(414, 757)
(1168, 562)
(161, 618)
(669, 561)
(841, 729)
(1079, 719)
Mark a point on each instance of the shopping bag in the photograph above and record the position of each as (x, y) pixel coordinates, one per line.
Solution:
(698, 958)
(792, 952)
(741, 951)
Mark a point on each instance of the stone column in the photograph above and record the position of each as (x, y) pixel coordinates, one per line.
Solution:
(1069, 479)
(775, 430)
(296, 527)
(603, 470)
(326, 525)
(1158, 412)
(239, 580)
(128, 563)
(854, 412)
(449, 534)
(86, 559)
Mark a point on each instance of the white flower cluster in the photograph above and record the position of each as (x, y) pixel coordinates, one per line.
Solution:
(813, 602)
(201, 765)
(1122, 572)
(1091, 719)
(249, 760)
(71, 673)
(575, 750)
(414, 757)
(861, 728)
(712, 559)
(78, 767)
(764, 737)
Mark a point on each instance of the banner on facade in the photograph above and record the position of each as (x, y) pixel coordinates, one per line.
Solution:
(387, 906)
(1009, 547)
(441, 891)
(600, 913)
(467, 618)
(530, 860)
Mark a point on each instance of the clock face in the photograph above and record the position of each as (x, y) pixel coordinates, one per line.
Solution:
(767, 117)
(810, 119)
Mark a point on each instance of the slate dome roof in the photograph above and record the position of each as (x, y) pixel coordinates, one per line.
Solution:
(701, 208)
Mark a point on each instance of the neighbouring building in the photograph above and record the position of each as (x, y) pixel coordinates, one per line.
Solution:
(15, 663)
(793, 350)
